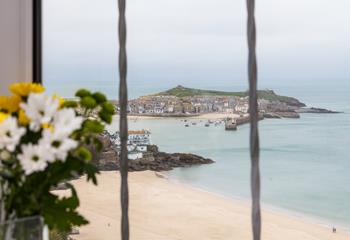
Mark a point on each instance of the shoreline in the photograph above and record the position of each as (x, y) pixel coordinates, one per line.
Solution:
(194, 213)
(323, 222)
(206, 116)
(223, 116)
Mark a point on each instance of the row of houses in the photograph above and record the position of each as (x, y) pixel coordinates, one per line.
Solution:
(137, 143)
(200, 104)
(193, 105)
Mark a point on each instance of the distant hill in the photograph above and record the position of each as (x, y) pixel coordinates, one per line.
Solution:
(180, 91)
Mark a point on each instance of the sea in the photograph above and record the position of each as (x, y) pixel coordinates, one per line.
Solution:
(305, 163)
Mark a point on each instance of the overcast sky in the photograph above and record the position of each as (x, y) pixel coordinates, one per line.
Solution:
(199, 41)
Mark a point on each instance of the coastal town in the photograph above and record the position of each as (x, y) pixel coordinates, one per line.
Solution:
(181, 101)
(189, 102)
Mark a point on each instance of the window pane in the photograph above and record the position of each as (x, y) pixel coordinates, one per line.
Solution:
(187, 79)
(80, 46)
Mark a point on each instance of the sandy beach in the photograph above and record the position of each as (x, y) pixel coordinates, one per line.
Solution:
(216, 116)
(163, 210)
(205, 116)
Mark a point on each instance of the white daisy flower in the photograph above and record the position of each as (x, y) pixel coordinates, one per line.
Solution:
(65, 122)
(10, 134)
(40, 109)
(33, 158)
(56, 145)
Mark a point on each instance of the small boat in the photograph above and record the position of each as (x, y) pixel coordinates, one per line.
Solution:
(194, 123)
(187, 125)
(207, 124)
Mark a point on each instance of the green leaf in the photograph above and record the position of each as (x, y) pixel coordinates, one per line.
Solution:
(9, 162)
(61, 214)
(99, 97)
(106, 117)
(84, 154)
(70, 104)
(108, 108)
(98, 144)
(93, 126)
(91, 171)
(6, 174)
(83, 93)
(88, 102)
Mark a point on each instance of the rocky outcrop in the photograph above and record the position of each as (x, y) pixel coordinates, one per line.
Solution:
(108, 159)
(246, 119)
(271, 115)
(290, 114)
(166, 162)
(315, 110)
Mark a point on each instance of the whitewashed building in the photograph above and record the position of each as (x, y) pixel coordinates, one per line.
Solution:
(137, 143)
(158, 110)
(243, 108)
(171, 109)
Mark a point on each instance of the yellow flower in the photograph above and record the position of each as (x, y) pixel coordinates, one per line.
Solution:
(24, 89)
(3, 116)
(10, 104)
(60, 100)
(22, 118)
(48, 126)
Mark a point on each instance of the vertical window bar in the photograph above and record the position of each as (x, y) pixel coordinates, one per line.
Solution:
(253, 112)
(123, 124)
(37, 41)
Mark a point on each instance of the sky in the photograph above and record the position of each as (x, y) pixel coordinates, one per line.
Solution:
(197, 43)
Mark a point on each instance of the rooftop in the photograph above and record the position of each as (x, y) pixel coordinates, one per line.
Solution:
(133, 132)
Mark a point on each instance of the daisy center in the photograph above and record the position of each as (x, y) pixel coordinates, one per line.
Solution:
(56, 144)
(35, 158)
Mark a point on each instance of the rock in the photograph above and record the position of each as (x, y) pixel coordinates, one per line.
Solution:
(271, 115)
(246, 119)
(108, 159)
(290, 114)
(315, 110)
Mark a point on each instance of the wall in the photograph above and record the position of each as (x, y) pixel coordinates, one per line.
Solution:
(15, 42)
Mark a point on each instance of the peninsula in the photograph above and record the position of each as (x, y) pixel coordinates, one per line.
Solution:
(181, 101)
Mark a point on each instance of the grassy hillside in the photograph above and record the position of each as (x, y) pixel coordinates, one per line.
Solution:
(181, 91)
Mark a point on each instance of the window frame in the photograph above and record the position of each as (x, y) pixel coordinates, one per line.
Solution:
(37, 42)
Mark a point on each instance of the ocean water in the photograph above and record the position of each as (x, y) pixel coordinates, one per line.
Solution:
(305, 163)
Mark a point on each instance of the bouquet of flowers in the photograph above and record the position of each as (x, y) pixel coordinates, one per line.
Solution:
(44, 141)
